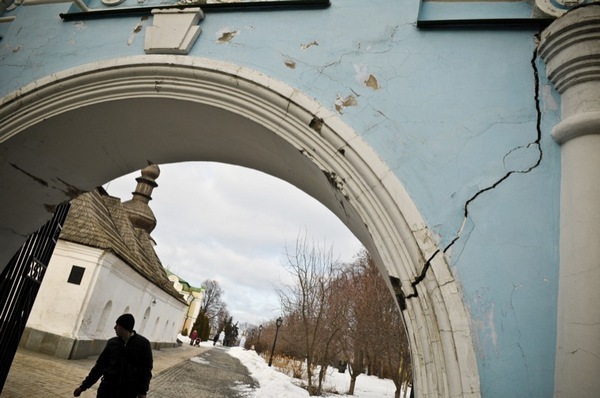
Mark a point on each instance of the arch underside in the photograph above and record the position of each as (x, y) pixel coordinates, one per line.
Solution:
(77, 130)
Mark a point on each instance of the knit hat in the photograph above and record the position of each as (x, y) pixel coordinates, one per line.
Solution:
(126, 321)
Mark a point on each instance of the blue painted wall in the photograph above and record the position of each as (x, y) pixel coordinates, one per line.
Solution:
(454, 113)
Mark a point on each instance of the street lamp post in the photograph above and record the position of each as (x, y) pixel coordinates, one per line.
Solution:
(259, 330)
(278, 323)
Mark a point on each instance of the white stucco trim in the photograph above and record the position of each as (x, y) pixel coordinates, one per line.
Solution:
(363, 191)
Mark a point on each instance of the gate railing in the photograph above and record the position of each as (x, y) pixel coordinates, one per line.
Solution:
(19, 285)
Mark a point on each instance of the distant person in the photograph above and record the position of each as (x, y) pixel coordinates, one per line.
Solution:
(125, 364)
(216, 338)
(193, 337)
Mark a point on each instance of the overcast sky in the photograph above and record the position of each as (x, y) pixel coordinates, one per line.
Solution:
(232, 224)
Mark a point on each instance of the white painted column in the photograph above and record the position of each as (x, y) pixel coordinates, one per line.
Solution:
(570, 46)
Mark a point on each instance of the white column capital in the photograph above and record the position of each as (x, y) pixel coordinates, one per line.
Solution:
(570, 47)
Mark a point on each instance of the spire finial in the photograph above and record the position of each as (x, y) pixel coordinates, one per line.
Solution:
(139, 212)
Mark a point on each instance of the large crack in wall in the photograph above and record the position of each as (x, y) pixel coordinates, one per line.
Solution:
(536, 143)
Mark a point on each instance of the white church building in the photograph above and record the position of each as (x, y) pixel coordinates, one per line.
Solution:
(192, 295)
(104, 265)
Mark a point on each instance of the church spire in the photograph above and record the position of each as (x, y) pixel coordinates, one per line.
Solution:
(139, 213)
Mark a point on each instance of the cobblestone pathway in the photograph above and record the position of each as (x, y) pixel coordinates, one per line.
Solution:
(212, 374)
(182, 372)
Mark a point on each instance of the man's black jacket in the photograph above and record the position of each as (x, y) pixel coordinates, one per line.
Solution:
(126, 369)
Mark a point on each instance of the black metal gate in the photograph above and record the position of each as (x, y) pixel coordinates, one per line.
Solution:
(19, 284)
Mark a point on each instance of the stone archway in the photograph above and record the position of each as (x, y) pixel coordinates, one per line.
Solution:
(76, 130)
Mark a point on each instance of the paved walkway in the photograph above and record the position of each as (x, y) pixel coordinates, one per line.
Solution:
(211, 373)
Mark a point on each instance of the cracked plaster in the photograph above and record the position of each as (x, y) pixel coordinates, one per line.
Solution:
(397, 122)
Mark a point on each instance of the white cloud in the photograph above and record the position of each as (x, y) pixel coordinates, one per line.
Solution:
(232, 224)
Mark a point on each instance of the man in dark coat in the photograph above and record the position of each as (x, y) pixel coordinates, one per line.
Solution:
(125, 364)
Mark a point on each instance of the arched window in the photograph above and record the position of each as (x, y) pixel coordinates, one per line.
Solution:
(101, 328)
(144, 321)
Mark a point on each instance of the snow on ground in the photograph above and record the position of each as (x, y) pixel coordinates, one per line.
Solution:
(275, 384)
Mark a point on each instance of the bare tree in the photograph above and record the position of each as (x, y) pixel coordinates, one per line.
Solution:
(360, 317)
(376, 338)
(390, 357)
(308, 304)
(335, 326)
(342, 314)
(212, 303)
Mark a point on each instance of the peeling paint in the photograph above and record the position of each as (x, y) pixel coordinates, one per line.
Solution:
(371, 82)
(306, 46)
(550, 102)
(400, 299)
(341, 103)
(290, 64)
(227, 36)
(71, 190)
(484, 325)
(79, 25)
(492, 326)
(50, 208)
(136, 29)
(316, 124)
(191, 2)
(337, 183)
(364, 77)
